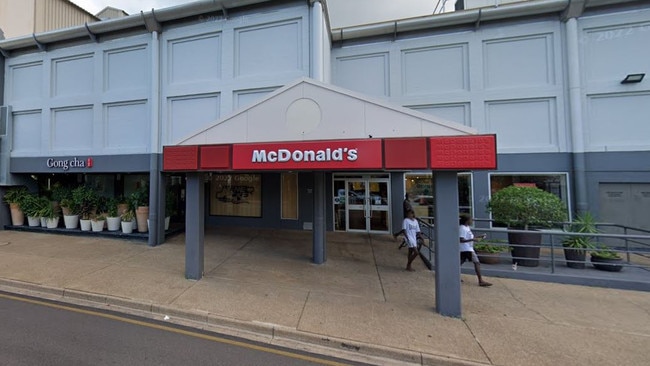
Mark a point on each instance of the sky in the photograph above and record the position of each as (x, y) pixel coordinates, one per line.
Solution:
(342, 12)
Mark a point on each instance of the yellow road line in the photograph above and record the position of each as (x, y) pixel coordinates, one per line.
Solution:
(178, 331)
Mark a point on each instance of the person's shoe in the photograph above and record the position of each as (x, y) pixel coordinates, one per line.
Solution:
(484, 284)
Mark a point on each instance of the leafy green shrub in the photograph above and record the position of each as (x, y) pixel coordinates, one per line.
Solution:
(521, 207)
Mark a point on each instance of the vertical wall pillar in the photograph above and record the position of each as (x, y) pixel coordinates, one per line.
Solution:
(194, 226)
(577, 128)
(318, 232)
(397, 189)
(446, 237)
(156, 188)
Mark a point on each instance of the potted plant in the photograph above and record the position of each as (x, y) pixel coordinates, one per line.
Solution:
(51, 215)
(605, 259)
(525, 208)
(113, 219)
(60, 193)
(140, 200)
(488, 250)
(30, 206)
(14, 197)
(70, 213)
(127, 222)
(43, 204)
(122, 205)
(575, 247)
(97, 223)
(84, 199)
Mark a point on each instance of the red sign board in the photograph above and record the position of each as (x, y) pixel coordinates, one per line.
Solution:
(331, 155)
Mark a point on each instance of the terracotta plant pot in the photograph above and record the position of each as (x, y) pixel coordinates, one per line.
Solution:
(142, 214)
(17, 215)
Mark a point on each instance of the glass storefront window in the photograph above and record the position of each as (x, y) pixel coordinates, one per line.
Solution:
(236, 195)
(553, 183)
(419, 187)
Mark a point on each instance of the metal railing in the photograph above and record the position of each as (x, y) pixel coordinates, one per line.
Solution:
(551, 242)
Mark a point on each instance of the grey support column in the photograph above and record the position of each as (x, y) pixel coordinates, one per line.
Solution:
(397, 190)
(194, 226)
(155, 204)
(318, 232)
(446, 236)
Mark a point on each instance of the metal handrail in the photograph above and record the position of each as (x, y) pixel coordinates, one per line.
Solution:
(428, 227)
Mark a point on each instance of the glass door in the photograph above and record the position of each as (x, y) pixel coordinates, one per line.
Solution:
(378, 217)
(357, 205)
(361, 204)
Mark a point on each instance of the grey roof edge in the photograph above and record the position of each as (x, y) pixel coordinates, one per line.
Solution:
(463, 17)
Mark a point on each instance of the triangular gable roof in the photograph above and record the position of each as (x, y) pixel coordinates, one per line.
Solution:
(309, 110)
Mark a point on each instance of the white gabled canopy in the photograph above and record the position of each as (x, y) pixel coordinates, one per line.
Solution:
(307, 110)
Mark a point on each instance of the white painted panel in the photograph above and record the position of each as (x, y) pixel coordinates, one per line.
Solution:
(458, 113)
(435, 70)
(367, 74)
(126, 69)
(244, 98)
(611, 53)
(618, 121)
(382, 122)
(268, 49)
(72, 129)
(27, 132)
(73, 76)
(516, 62)
(195, 59)
(26, 81)
(190, 115)
(525, 124)
(127, 126)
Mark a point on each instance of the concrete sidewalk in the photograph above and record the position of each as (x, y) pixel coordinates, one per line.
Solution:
(360, 304)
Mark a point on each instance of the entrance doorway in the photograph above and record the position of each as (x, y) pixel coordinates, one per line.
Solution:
(362, 203)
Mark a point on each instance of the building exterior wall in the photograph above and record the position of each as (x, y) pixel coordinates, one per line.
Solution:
(510, 78)
(134, 93)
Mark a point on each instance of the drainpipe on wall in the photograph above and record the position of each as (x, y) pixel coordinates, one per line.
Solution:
(156, 225)
(317, 59)
(576, 121)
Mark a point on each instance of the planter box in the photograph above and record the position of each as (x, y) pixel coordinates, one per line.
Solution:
(97, 225)
(71, 221)
(127, 227)
(526, 251)
(113, 223)
(575, 258)
(52, 223)
(85, 225)
(606, 264)
(33, 221)
(487, 257)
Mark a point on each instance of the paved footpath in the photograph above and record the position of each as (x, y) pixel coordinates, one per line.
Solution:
(360, 304)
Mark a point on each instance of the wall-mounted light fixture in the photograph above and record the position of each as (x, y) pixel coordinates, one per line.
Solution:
(633, 78)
